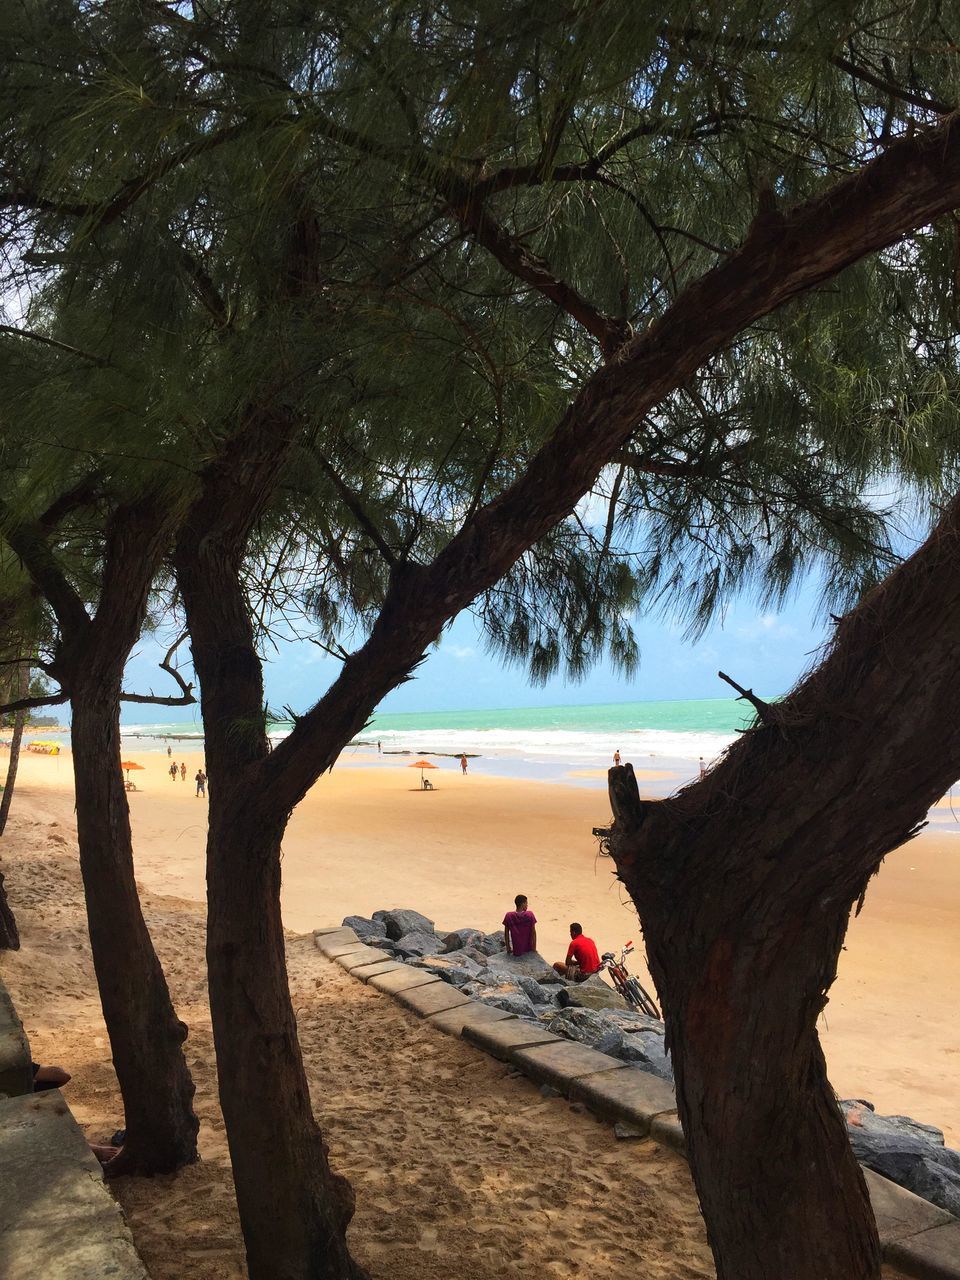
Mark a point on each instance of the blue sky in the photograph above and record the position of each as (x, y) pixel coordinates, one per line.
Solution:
(765, 650)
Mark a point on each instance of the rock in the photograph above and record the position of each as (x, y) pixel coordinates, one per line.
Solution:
(623, 1130)
(417, 943)
(506, 996)
(548, 1091)
(533, 990)
(366, 930)
(403, 920)
(531, 965)
(473, 954)
(461, 938)
(628, 1021)
(905, 1151)
(641, 1049)
(582, 1025)
(457, 972)
(492, 943)
(591, 994)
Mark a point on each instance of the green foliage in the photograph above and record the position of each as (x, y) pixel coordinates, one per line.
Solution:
(242, 207)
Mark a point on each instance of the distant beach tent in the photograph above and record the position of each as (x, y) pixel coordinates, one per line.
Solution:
(44, 748)
(130, 764)
(421, 765)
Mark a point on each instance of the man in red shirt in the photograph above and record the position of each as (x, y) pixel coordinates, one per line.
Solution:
(582, 959)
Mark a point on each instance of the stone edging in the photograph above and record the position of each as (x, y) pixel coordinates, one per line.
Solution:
(916, 1236)
(57, 1218)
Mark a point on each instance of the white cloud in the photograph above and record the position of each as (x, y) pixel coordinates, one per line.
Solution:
(766, 627)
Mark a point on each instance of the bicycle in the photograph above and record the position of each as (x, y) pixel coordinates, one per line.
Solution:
(626, 984)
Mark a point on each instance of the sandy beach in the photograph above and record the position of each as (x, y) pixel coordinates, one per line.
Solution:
(473, 1143)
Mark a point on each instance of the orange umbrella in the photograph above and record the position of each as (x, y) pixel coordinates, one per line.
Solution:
(128, 765)
(421, 765)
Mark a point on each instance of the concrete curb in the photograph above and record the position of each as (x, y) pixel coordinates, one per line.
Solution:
(57, 1219)
(915, 1236)
(16, 1069)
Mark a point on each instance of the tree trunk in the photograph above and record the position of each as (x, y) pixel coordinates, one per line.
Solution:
(19, 720)
(294, 1210)
(744, 884)
(9, 933)
(146, 1037)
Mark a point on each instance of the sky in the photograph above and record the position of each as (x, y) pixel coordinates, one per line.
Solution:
(764, 650)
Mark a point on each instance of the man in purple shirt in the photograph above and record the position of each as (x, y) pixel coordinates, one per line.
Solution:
(520, 929)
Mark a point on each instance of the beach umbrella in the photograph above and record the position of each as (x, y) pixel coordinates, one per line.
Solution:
(421, 765)
(128, 765)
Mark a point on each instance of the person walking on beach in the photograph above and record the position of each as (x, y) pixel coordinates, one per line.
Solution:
(183, 773)
(616, 758)
(169, 752)
(520, 928)
(463, 764)
(173, 771)
(201, 781)
(582, 960)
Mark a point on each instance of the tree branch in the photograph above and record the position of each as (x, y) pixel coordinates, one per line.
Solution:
(28, 542)
(29, 704)
(100, 361)
(357, 510)
(914, 181)
(765, 712)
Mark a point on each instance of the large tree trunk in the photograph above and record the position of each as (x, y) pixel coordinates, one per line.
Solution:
(9, 933)
(744, 884)
(294, 1210)
(146, 1037)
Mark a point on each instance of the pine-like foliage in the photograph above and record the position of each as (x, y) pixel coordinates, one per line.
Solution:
(418, 228)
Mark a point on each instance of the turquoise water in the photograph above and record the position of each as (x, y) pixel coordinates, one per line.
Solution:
(709, 715)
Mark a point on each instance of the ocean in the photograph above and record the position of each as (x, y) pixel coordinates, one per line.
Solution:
(557, 743)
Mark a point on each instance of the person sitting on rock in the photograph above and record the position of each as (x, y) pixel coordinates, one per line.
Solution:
(582, 960)
(520, 928)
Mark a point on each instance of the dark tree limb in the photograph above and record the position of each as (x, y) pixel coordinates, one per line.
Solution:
(766, 713)
(32, 704)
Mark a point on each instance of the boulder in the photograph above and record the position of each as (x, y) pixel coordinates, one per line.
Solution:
(533, 990)
(417, 943)
(492, 943)
(402, 921)
(531, 965)
(461, 938)
(907, 1152)
(629, 1020)
(582, 1025)
(366, 930)
(593, 993)
(643, 1049)
(458, 972)
(505, 995)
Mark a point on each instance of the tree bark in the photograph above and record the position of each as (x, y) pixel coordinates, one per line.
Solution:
(294, 1210)
(744, 884)
(146, 1037)
(9, 933)
(19, 720)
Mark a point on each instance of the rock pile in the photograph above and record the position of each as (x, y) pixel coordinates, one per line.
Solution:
(478, 964)
(905, 1151)
(901, 1149)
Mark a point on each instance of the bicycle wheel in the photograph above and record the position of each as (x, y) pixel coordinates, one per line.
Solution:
(641, 1000)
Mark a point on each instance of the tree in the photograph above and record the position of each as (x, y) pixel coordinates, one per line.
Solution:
(90, 652)
(512, 158)
(744, 884)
